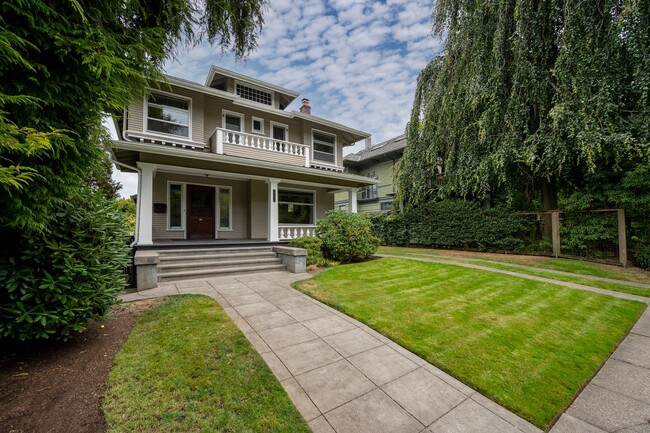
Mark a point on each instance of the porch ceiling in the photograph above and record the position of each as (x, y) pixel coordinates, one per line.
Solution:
(131, 153)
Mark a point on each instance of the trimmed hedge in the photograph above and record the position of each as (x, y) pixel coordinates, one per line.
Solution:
(314, 247)
(54, 283)
(455, 224)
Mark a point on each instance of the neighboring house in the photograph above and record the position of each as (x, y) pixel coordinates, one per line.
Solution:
(225, 161)
(377, 163)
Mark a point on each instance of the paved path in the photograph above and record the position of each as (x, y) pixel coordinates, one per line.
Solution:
(341, 375)
(455, 262)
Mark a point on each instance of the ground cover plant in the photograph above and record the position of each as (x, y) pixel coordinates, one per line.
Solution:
(186, 367)
(529, 346)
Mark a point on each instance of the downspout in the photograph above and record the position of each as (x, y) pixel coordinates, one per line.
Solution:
(138, 201)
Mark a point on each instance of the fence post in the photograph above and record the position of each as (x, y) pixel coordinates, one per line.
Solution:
(555, 233)
(622, 239)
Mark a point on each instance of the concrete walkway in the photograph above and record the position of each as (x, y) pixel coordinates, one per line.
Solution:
(456, 262)
(341, 375)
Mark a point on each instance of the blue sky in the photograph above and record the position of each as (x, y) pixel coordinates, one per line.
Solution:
(356, 61)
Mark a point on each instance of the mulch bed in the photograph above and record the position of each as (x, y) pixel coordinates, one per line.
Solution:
(58, 387)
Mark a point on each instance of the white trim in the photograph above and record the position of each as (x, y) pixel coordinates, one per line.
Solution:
(258, 88)
(313, 149)
(313, 192)
(213, 157)
(169, 227)
(281, 125)
(218, 206)
(214, 69)
(242, 118)
(145, 113)
(163, 138)
(259, 119)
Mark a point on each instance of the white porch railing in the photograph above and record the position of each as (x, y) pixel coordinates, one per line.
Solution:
(252, 141)
(292, 232)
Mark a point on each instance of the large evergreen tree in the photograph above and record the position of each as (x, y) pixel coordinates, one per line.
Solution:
(530, 97)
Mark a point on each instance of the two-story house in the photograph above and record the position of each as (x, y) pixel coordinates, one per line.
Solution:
(375, 162)
(225, 161)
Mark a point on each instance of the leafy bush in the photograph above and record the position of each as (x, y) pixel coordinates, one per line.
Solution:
(642, 256)
(54, 283)
(314, 247)
(347, 236)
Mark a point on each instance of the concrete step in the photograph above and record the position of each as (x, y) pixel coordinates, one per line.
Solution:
(186, 265)
(167, 258)
(217, 272)
(213, 251)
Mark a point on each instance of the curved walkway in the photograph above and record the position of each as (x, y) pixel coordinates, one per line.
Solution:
(459, 262)
(341, 375)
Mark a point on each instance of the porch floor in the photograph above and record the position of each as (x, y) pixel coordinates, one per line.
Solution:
(207, 243)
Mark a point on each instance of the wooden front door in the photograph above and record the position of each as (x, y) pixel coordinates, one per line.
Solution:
(200, 215)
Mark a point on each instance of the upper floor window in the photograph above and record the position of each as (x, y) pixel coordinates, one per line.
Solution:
(324, 147)
(168, 115)
(254, 94)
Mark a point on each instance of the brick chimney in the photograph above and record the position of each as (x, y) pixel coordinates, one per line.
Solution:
(305, 106)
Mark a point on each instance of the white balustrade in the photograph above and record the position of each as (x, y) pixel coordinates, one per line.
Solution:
(292, 232)
(252, 141)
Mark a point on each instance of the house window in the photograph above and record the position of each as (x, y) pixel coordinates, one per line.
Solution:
(324, 147)
(257, 125)
(225, 208)
(253, 94)
(232, 122)
(295, 207)
(386, 206)
(168, 115)
(175, 206)
(279, 131)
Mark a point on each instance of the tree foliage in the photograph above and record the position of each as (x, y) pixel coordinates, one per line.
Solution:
(530, 94)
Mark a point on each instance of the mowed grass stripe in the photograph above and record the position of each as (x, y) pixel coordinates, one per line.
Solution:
(186, 367)
(526, 344)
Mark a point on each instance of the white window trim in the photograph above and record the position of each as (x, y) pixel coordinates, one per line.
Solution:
(261, 89)
(235, 114)
(253, 119)
(218, 205)
(313, 223)
(281, 125)
(183, 196)
(318, 161)
(145, 113)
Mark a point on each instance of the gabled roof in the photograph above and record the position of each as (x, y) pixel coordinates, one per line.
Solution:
(386, 150)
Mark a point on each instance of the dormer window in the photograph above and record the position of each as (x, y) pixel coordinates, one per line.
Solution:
(253, 94)
(168, 115)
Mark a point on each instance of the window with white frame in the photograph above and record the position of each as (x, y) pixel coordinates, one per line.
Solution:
(225, 208)
(233, 121)
(324, 147)
(257, 125)
(175, 206)
(253, 94)
(168, 115)
(295, 207)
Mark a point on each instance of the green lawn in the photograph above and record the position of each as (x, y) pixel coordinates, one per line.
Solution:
(545, 267)
(187, 368)
(530, 346)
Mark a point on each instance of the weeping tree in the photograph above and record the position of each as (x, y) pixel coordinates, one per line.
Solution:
(529, 97)
(63, 64)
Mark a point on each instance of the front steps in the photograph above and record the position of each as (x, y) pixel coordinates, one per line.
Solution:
(194, 263)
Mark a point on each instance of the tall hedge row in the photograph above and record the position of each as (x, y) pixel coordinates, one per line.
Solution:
(455, 224)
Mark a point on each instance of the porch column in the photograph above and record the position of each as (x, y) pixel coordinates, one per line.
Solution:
(145, 205)
(273, 210)
(352, 199)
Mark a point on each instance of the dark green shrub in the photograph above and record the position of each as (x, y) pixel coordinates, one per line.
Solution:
(347, 236)
(642, 256)
(314, 247)
(54, 283)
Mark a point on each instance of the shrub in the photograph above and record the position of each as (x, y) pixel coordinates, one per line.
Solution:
(314, 247)
(642, 256)
(347, 236)
(54, 283)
